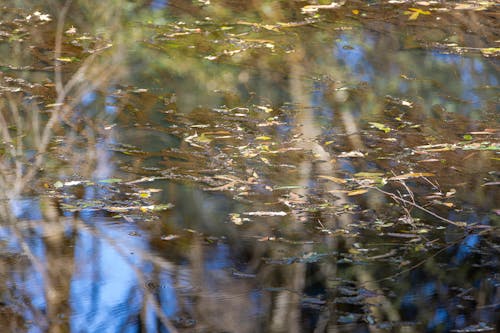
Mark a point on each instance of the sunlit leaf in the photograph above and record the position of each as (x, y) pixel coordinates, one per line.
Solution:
(412, 175)
(352, 154)
(111, 180)
(288, 187)
(264, 213)
(67, 59)
(490, 51)
(368, 175)
(203, 138)
(333, 179)
(264, 108)
(415, 12)
(169, 237)
(380, 126)
(357, 192)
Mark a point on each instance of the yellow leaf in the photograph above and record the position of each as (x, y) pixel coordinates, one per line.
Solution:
(413, 16)
(357, 192)
(203, 138)
(334, 179)
(263, 137)
(420, 11)
(66, 59)
(415, 12)
(368, 175)
(265, 160)
(264, 108)
(380, 126)
(355, 11)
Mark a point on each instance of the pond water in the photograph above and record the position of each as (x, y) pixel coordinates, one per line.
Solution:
(173, 166)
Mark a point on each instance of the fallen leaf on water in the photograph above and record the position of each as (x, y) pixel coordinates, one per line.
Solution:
(169, 237)
(401, 235)
(412, 175)
(264, 108)
(334, 179)
(490, 51)
(368, 175)
(110, 180)
(67, 59)
(357, 192)
(380, 127)
(415, 12)
(262, 213)
(203, 138)
(352, 154)
(315, 8)
(237, 219)
(474, 6)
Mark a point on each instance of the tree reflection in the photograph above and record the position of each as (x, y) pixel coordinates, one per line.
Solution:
(260, 102)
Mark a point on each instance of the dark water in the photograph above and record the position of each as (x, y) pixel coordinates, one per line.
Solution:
(258, 134)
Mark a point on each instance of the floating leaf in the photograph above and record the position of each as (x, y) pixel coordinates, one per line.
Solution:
(490, 51)
(368, 175)
(67, 59)
(380, 127)
(415, 12)
(412, 175)
(352, 154)
(264, 108)
(75, 182)
(203, 138)
(111, 180)
(334, 179)
(357, 192)
(288, 187)
(261, 213)
(485, 184)
(169, 237)
(315, 8)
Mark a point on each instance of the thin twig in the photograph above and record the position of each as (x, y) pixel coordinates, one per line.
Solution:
(396, 198)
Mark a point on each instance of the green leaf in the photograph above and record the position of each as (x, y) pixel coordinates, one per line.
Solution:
(380, 127)
(111, 180)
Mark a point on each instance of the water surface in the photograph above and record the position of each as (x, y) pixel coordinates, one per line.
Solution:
(224, 167)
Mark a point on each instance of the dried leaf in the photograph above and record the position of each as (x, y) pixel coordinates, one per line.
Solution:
(334, 179)
(262, 213)
(357, 192)
(352, 154)
(412, 175)
(368, 175)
